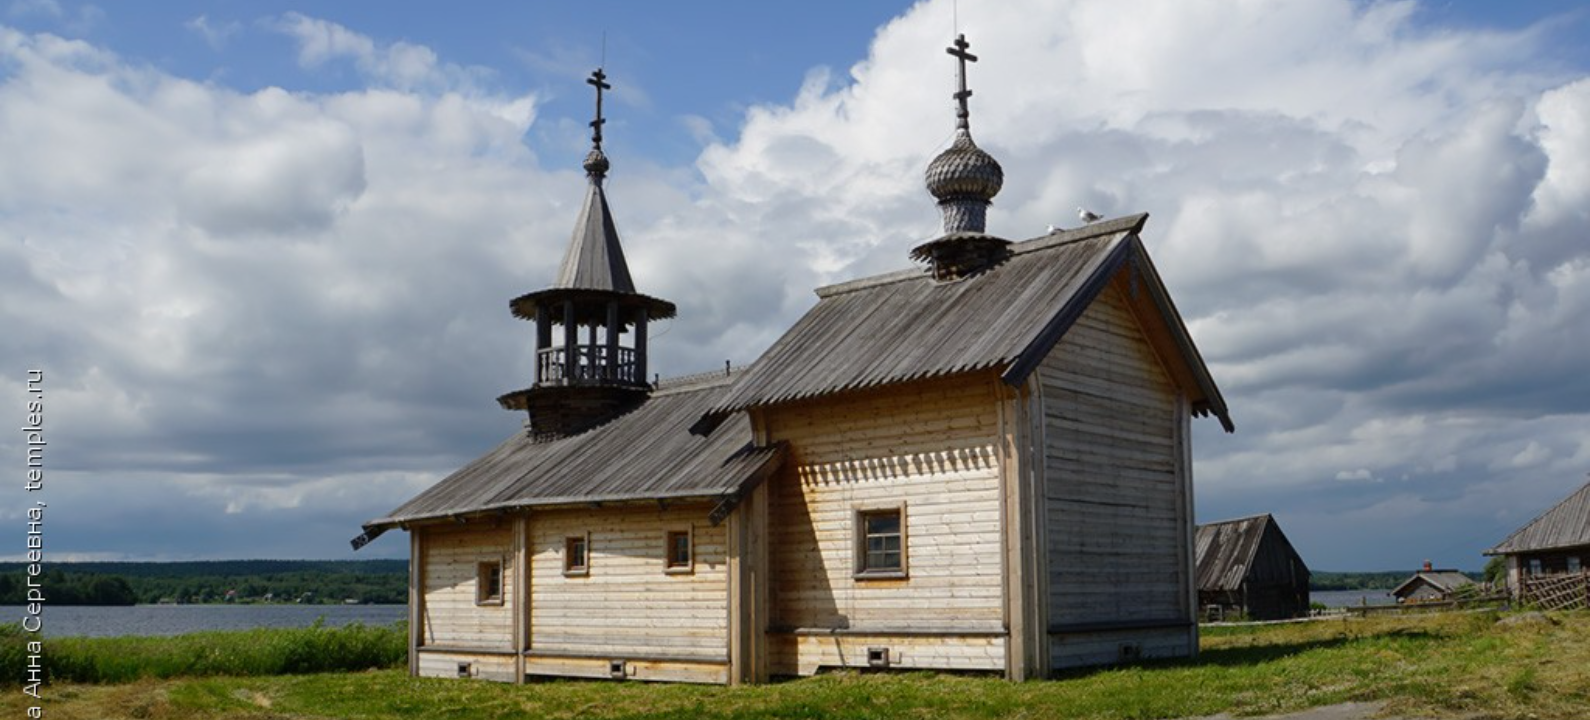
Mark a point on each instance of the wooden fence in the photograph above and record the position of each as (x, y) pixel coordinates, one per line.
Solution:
(1556, 592)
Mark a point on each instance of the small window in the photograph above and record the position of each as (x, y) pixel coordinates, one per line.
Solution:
(1573, 563)
(576, 555)
(1534, 566)
(880, 543)
(488, 583)
(679, 553)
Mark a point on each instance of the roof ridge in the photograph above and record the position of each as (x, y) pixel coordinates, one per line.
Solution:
(1244, 518)
(695, 381)
(1127, 223)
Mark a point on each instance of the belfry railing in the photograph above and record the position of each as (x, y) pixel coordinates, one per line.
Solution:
(586, 364)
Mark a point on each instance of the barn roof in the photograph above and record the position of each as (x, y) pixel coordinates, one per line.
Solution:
(1566, 524)
(1226, 550)
(907, 326)
(1443, 580)
(646, 454)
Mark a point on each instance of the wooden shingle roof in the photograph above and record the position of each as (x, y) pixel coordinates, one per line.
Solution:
(907, 326)
(646, 454)
(1225, 551)
(1566, 524)
(1442, 580)
(595, 258)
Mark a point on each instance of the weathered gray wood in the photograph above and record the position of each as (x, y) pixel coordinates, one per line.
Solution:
(571, 339)
(1117, 512)
(1564, 525)
(1250, 557)
(416, 601)
(645, 454)
(904, 327)
(519, 599)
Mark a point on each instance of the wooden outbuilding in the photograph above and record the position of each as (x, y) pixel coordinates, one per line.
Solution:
(1430, 585)
(982, 463)
(1557, 543)
(1247, 568)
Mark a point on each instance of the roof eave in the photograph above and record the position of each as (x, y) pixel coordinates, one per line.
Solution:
(774, 457)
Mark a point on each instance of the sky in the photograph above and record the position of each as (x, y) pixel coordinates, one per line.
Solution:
(262, 251)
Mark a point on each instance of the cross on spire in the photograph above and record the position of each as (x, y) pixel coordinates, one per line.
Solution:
(962, 114)
(598, 80)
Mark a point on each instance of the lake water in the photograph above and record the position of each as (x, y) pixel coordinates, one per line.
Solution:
(1352, 598)
(66, 621)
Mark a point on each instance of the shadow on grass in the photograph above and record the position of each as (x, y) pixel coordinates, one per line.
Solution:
(1251, 655)
(1258, 654)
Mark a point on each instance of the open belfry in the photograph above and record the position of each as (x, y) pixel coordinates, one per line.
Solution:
(978, 463)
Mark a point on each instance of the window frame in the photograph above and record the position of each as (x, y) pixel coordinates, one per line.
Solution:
(569, 569)
(689, 566)
(859, 542)
(481, 584)
(1536, 567)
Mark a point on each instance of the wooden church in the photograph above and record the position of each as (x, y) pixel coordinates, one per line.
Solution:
(980, 463)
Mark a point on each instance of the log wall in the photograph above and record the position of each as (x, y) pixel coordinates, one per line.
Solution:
(451, 557)
(627, 605)
(1117, 493)
(930, 447)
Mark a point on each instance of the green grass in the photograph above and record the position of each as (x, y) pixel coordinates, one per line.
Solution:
(1451, 665)
(264, 651)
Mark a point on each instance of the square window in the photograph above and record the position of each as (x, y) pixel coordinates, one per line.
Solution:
(488, 583)
(881, 543)
(576, 555)
(678, 551)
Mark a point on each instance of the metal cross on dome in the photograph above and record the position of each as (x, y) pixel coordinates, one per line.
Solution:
(598, 80)
(959, 51)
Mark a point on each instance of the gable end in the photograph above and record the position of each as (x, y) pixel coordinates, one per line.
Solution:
(1182, 359)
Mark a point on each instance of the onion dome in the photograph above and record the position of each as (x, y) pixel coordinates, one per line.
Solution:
(596, 163)
(964, 172)
(964, 180)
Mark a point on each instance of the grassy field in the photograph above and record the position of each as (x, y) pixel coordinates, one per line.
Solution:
(1461, 665)
(264, 651)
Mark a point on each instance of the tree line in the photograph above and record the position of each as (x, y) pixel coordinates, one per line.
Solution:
(1322, 580)
(62, 588)
(235, 581)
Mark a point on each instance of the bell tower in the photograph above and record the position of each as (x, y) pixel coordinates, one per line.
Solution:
(587, 370)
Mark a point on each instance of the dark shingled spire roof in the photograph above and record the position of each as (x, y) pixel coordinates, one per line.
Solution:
(595, 260)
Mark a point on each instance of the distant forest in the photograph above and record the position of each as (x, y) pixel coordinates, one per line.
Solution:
(1320, 580)
(220, 581)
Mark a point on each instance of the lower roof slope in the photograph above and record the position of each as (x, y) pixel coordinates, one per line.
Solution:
(1566, 524)
(646, 454)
